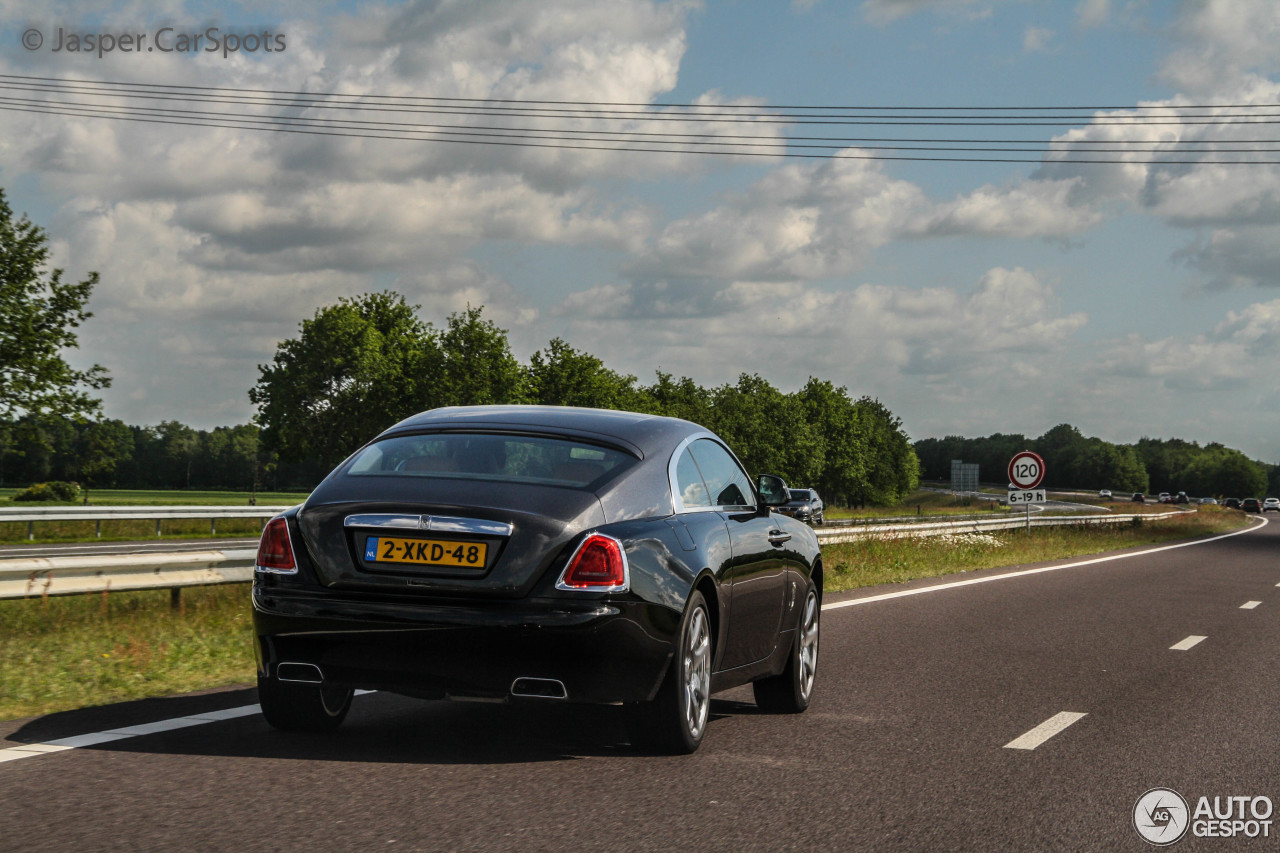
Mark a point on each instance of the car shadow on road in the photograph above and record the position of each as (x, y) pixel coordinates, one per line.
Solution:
(381, 728)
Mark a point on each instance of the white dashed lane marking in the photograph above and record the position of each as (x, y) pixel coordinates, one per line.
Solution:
(1249, 605)
(1183, 645)
(1045, 730)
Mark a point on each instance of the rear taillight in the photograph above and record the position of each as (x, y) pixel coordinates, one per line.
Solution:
(275, 551)
(599, 565)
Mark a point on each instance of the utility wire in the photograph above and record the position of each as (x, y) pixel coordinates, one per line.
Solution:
(56, 93)
(1078, 108)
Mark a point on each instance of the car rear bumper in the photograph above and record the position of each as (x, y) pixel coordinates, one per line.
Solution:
(601, 651)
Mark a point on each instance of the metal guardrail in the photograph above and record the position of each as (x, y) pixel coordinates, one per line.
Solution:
(30, 577)
(159, 514)
(941, 528)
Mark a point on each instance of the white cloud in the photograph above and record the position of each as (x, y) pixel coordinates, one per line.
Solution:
(1093, 13)
(1227, 42)
(1225, 357)
(1029, 208)
(872, 336)
(887, 11)
(824, 220)
(1037, 39)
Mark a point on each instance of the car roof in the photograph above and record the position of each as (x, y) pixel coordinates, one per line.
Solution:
(642, 432)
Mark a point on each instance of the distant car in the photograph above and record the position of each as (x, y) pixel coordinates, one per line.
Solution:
(1164, 498)
(1232, 503)
(1181, 498)
(1105, 494)
(1251, 505)
(1209, 501)
(1139, 498)
(1271, 505)
(805, 505)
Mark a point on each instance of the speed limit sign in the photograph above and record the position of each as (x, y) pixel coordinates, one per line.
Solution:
(1026, 470)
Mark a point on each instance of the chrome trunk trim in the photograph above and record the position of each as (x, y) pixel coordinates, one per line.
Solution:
(430, 523)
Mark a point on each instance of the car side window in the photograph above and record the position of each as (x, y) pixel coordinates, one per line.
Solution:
(692, 491)
(727, 482)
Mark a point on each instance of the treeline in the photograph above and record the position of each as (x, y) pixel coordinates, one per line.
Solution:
(1074, 461)
(111, 453)
(361, 365)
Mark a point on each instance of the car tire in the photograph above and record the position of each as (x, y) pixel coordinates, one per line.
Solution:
(303, 707)
(675, 722)
(790, 691)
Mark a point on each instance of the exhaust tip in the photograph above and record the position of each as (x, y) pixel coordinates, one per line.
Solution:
(299, 673)
(538, 688)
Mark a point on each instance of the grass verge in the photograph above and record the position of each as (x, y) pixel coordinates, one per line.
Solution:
(79, 650)
(876, 561)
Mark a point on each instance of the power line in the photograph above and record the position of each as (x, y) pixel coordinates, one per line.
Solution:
(706, 114)
(273, 125)
(649, 136)
(323, 94)
(100, 99)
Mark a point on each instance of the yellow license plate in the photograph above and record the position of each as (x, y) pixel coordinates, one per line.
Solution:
(425, 552)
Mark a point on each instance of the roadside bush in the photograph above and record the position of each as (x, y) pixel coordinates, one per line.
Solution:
(55, 491)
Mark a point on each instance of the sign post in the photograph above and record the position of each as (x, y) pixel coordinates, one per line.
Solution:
(1026, 472)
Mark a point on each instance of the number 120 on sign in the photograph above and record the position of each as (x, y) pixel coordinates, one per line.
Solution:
(1028, 496)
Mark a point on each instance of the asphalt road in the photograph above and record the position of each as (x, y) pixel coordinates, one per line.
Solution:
(906, 746)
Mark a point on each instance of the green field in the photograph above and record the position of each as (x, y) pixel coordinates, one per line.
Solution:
(163, 497)
(12, 533)
(70, 652)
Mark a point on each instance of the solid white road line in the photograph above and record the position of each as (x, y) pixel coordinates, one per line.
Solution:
(871, 599)
(1045, 730)
(1182, 646)
(1249, 605)
(29, 750)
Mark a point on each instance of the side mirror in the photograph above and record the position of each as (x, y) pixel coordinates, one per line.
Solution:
(772, 489)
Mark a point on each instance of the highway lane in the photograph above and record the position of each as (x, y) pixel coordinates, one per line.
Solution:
(904, 747)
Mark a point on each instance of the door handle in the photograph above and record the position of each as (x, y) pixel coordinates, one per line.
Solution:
(777, 537)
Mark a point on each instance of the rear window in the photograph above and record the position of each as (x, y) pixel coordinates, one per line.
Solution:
(483, 456)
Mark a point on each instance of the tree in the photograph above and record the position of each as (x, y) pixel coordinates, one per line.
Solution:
(38, 315)
(563, 376)
(179, 445)
(356, 368)
(767, 429)
(893, 471)
(678, 399)
(1219, 470)
(100, 447)
(844, 456)
(478, 368)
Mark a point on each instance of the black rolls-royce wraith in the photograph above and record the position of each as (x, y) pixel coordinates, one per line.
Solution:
(527, 553)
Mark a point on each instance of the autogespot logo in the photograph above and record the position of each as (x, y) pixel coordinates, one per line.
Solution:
(1161, 816)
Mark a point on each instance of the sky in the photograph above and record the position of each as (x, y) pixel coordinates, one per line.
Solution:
(1137, 298)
